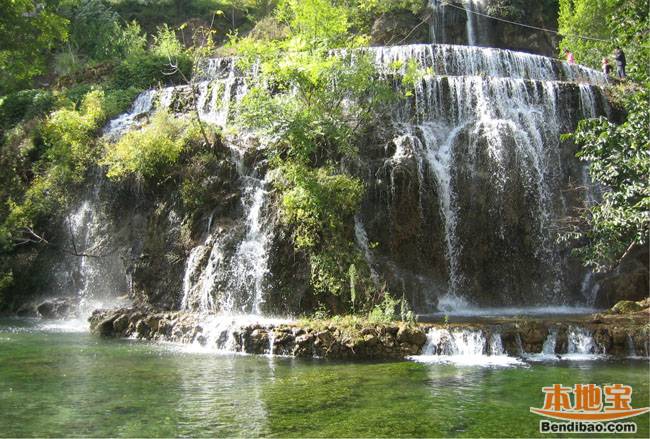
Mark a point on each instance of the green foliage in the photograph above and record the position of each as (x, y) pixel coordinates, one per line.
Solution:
(320, 204)
(621, 23)
(24, 104)
(28, 31)
(318, 201)
(155, 67)
(619, 161)
(309, 108)
(317, 22)
(67, 138)
(95, 29)
(149, 153)
(385, 312)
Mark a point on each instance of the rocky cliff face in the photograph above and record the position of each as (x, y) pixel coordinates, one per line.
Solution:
(466, 22)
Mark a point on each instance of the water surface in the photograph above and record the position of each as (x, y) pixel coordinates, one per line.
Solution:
(54, 382)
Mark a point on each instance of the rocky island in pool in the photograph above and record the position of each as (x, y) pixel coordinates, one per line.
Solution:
(324, 218)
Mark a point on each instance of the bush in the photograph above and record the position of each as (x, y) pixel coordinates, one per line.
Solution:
(148, 154)
(149, 70)
(24, 104)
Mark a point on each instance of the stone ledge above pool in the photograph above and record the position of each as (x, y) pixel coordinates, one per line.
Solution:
(602, 334)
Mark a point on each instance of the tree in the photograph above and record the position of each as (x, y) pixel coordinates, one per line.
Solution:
(619, 161)
(28, 32)
(607, 24)
(618, 154)
(312, 107)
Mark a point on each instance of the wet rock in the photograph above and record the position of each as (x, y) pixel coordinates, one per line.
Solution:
(121, 324)
(411, 335)
(399, 27)
(59, 308)
(626, 307)
(142, 329)
(619, 335)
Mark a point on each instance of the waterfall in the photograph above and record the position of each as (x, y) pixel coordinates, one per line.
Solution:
(231, 283)
(437, 24)
(501, 114)
(142, 105)
(249, 264)
(463, 347)
(474, 25)
(548, 348)
(481, 121)
(361, 238)
(631, 350)
(97, 270)
(580, 342)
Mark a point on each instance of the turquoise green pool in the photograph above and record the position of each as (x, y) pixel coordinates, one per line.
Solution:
(55, 383)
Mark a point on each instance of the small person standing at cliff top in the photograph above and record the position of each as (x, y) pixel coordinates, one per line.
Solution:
(619, 56)
(606, 66)
(569, 57)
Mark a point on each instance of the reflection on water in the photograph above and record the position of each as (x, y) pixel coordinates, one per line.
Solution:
(55, 383)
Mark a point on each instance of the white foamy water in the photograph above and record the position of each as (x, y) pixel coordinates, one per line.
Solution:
(459, 308)
(465, 347)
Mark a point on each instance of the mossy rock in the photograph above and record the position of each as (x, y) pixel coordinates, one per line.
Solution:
(626, 307)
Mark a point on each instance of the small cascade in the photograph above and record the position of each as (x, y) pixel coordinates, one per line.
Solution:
(220, 333)
(193, 269)
(520, 346)
(271, 334)
(464, 347)
(475, 25)
(589, 288)
(549, 346)
(142, 105)
(361, 238)
(580, 343)
(225, 333)
(496, 344)
(97, 271)
(631, 349)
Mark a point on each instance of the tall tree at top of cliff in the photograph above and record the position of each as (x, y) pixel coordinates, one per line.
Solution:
(28, 31)
(618, 154)
(607, 24)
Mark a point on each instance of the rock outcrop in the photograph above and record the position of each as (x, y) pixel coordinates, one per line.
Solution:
(612, 334)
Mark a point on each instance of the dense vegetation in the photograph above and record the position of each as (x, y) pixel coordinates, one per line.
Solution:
(91, 58)
(618, 154)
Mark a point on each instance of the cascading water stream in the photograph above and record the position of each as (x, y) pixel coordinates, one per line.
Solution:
(97, 271)
(464, 347)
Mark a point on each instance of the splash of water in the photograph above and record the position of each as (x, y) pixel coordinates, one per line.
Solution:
(464, 347)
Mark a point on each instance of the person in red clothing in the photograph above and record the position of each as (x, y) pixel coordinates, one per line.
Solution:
(606, 66)
(569, 57)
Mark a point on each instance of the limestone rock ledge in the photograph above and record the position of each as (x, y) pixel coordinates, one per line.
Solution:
(614, 334)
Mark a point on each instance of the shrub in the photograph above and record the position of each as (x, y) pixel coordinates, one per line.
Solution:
(150, 152)
(23, 105)
(149, 70)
